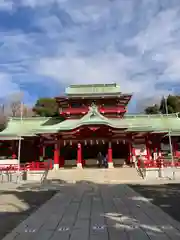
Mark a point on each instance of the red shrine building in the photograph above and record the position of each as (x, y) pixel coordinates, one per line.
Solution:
(93, 119)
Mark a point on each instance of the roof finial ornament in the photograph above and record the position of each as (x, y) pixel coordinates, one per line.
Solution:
(93, 108)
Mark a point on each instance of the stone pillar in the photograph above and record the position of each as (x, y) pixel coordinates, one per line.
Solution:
(110, 159)
(79, 156)
(56, 156)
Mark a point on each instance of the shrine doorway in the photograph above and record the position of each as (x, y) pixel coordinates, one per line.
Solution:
(90, 153)
(120, 152)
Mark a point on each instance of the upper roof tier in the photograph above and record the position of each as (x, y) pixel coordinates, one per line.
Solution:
(89, 92)
(93, 89)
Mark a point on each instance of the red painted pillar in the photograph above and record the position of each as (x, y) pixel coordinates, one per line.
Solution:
(79, 156)
(148, 148)
(110, 158)
(132, 153)
(56, 156)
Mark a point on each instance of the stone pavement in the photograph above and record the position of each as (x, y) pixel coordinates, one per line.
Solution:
(91, 211)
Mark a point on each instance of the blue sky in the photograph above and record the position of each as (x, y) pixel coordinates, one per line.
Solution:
(45, 45)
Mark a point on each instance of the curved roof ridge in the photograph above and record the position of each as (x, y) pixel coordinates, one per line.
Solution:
(29, 118)
(151, 115)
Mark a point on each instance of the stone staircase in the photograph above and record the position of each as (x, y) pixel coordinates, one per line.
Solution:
(115, 175)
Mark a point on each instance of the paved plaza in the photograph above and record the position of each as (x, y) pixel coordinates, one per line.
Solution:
(90, 211)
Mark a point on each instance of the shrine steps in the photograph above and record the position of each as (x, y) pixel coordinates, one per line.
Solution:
(114, 175)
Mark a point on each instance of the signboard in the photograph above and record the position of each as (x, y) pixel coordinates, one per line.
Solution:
(140, 149)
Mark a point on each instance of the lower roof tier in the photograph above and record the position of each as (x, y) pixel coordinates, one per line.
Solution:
(28, 127)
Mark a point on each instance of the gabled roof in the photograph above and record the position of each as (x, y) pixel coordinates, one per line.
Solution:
(17, 127)
(130, 123)
(86, 89)
(134, 123)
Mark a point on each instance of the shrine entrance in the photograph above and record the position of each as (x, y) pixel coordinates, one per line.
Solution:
(90, 152)
(82, 146)
(121, 153)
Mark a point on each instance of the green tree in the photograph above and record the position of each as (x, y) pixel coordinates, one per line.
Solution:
(170, 104)
(152, 109)
(46, 107)
(173, 104)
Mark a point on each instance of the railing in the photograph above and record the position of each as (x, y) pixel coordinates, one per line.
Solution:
(158, 163)
(84, 110)
(80, 110)
(112, 109)
(33, 166)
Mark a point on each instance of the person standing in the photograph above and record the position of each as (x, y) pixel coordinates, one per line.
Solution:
(99, 159)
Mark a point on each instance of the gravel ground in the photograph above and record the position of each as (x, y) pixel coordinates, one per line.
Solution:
(166, 196)
(16, 205)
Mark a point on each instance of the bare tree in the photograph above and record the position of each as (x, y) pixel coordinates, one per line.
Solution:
(3, 117)
(13, 104)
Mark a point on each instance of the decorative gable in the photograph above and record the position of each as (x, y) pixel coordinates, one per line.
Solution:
(93, 114)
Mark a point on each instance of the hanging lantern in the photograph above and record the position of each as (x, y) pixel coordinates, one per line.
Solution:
(103, 142)
(70, 142)
(117, 141)
(91, 142)
(64, 143)
(85, 142)
(97, 142)
(124, 141)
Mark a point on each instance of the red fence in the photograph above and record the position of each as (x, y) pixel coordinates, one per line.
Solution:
(158, 163)
(33, 166)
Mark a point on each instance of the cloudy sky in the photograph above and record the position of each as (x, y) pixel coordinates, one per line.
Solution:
(46, 45)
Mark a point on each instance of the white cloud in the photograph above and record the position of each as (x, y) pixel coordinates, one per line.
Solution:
(158, 33)
(101, 68)
(6, 5)
(112, 66)
(102, 41)
(7, 85)
(161, 39)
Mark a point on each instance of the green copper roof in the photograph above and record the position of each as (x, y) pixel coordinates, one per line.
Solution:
(93, 89)
(16, 127)
(134, 123)
(131, 123)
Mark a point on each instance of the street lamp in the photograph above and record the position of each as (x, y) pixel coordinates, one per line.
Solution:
(170, 140)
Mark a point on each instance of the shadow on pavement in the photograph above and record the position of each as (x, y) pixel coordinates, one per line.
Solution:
(165, 196)
(112, 210)
(16, 206)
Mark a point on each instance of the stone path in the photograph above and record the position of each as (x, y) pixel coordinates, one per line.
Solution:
(94, 211)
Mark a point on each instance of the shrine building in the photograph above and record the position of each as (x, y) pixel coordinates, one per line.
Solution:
(92, 119)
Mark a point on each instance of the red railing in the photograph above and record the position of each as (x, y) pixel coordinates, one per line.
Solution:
(33, 166)
(158, 163)
(84, 110)
(112, 109)
(81, 110)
